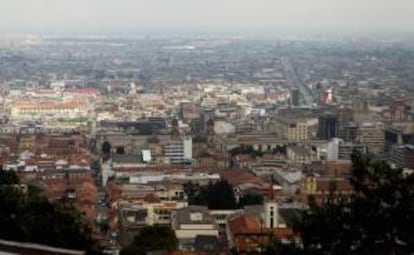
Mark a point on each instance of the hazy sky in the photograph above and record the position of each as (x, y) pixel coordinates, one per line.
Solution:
(135, 15)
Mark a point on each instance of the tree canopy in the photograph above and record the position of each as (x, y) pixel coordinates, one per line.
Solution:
(216, 196)
(30, 217)
(120, 150)
(106, 147)
(377, 219)
(243, 149)
(152, 238)
(8, 178)
(251, 199)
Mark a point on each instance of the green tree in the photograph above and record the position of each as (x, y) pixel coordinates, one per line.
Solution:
(31, 217)
(251, 199)
(106, 147)
(377, 219)
(275, 246)
(243, 149)
(120, 150)
(130, 250)
(191, 190)
(8, 177)
(152, 238)
(217, 196)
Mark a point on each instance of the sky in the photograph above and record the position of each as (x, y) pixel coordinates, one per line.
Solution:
(112, 16)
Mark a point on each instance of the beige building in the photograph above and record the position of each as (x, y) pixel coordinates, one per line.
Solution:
(291, 129)
(259, 141)
(372, 135)
(302, 154)
(149, 212)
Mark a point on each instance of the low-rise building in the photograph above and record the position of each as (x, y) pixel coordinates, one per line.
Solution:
(322, 187)
(133, 215)
(193, 221)
(251, 230)
(288, 180)
(302, 154)
(402, 155)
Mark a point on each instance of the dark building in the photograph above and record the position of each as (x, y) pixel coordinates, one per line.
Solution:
(196, 126)
(328, 126)
(206, 114)
(295, 97)
(345, 116)
(349, 133)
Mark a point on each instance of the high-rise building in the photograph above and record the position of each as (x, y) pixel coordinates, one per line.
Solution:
(372, 135)
(349, 132)
(332, 152)
(206, 114)
(328, 126)
(361, 110)
(345, 116)
(292, 129)
(295, 97)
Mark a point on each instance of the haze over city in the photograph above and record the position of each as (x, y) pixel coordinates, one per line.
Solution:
(135, 16)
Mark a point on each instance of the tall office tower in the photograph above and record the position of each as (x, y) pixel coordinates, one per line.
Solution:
(361, 110)
(345, 116)
(372, 135)
(294, 97)
(206, 114)
(292, 129)
(328, 126)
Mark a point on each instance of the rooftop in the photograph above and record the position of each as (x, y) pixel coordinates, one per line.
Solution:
(194, 215)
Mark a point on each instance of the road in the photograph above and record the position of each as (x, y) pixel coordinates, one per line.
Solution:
(292, 77)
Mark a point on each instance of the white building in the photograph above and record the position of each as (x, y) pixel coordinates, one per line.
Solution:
(223, 127)
(147, 177)
(332, 153)
(271, 212)
(302, 154)
(179, 151)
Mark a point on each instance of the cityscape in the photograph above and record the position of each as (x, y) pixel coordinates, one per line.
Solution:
(206, 144)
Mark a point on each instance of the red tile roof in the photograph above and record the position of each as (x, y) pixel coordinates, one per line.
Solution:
(237, 177)
(244, 224)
